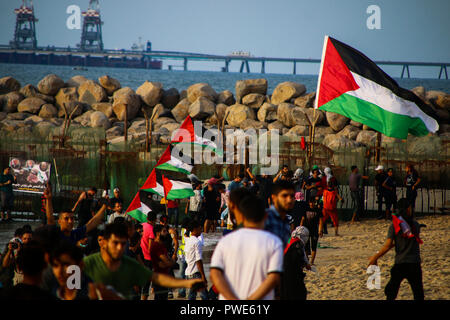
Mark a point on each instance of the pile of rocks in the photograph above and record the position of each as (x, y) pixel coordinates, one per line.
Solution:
(101, 104)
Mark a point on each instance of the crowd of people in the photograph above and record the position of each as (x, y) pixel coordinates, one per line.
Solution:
(271, 229)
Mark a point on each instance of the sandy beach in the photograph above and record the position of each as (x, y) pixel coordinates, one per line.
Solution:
(342, 270)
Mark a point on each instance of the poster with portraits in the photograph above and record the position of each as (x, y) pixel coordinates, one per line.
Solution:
(31, 175)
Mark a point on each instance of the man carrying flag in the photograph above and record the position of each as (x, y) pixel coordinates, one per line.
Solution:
(352, 85)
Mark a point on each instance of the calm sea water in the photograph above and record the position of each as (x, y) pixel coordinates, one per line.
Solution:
(133, 78)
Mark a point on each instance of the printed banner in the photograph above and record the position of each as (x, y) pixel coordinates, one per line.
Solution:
(31, 175)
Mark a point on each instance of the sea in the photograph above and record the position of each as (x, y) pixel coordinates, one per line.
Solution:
(181, 80)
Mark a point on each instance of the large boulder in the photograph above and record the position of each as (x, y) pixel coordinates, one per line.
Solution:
(285, 91)
(336, 121)
(9, 84)
(50, 84)
(126, 96)
(170, 127)
(244, 87)
(48, 111)
(158, 123)
(109, 84)
(99, 120)
(43, 128)
(277, 125)
(72, 106)
(76, 81)
(198, 90)
(237, 113)
(226, 97)
(298, 131)
(267, 112)
(426, 146)
(367, 137)
(253, 100)
(420, 92)
(349, 131)
(90, 92)
(30, 105)
(356, 124)
(104, 107)
(18, 116)
(181, 110)
(150, 92)
(85, 118)
(284, 114)
(201, 108)
(252, 124)
(290, 115)
(3, 115)
(305, 101)
(33, 120)
(221, 110)
(315, 116)
(66, 95)
(439, 99)
(160, 111)
(170, 98)
(29, 90)
(323, 130)
(336, 143)
(10, 101)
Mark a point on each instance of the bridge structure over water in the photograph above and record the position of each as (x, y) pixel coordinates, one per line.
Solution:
(185, 57)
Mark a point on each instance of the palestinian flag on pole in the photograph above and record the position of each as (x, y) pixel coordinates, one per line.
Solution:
(354, 86)
(187, 134)
(173, 184)
(176, 188)
(152, 184)
(140, 206)
(172, 159)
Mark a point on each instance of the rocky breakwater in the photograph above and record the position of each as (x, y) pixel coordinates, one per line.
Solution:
(102, 103)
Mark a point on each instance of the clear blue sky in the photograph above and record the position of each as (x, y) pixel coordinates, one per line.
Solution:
(411, 30)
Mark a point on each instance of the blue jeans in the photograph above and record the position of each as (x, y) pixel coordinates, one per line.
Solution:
(192, 294)
(182, 291)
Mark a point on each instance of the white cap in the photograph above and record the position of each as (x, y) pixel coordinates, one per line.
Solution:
(380, 167)
(116, 189)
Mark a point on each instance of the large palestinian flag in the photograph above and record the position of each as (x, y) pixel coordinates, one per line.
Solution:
(187, 134)
(141, 205)
(174, 160)
(354, 86)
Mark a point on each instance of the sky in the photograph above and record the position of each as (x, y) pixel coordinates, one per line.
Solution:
(411, 30)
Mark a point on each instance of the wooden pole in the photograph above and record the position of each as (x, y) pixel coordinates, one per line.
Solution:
(378, 148)
(126, 123)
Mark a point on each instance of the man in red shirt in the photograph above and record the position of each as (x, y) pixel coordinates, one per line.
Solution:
(147, 237)
(160, 260)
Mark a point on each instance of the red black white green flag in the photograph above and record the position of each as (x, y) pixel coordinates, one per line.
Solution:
(177, 189)
(174, 160)
(187, 134)
(168, 183)
(141, 205)
(354, 86)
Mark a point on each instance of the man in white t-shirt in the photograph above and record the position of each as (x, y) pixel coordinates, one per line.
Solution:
(193, 256)
(247, 263)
